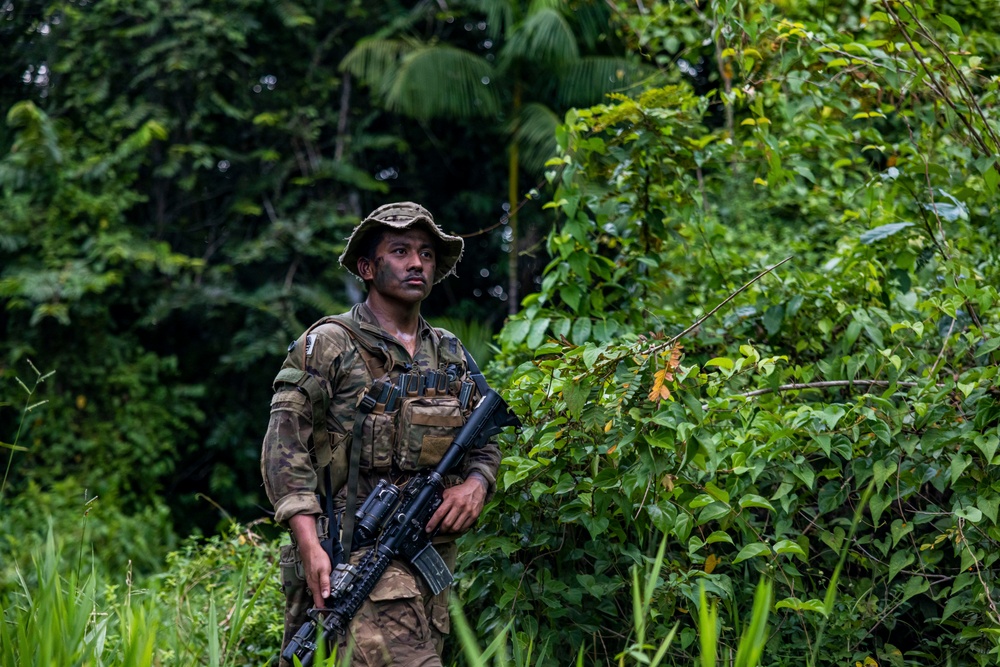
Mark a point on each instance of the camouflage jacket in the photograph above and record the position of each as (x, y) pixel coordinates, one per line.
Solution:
(290, 463)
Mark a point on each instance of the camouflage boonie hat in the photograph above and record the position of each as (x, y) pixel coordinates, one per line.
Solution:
(403, 215)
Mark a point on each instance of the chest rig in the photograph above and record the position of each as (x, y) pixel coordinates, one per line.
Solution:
(405, 419)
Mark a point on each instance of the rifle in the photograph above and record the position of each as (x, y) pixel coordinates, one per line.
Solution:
(394, 519)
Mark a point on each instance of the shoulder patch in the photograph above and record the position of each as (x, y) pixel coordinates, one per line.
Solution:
(310, 344)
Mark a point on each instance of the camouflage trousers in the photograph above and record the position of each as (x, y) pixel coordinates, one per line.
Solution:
(400, 624)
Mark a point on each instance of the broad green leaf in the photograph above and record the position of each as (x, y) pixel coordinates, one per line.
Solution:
(883, 232)
(516, 331)
(581, 331)
(721, 362)
(987, 444)
(900, 560)
(881, 430)
(788, 547)
(752, 550)
(973, 514)
(989, 504)
(719, 536)
(951, 23)
(753, 500)
(536, 335)
(899, 529)
(915, 585)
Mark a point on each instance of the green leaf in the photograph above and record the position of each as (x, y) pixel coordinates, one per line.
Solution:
(572, 295)
(900, 529)
(753, 500)
(883, 232)
(989, 505)
(951, 23)
(954, 604)
(703, 500)
(713, 512)
(716, 492)
(591, 355)
(576, 394)
(581, 331)
(536, 335)
(516, 331)
(973, 514)
(987, 444)
(752, 551)
(899, 560)
(721, 362)
(796, 604)
(788, 547)
(881, 430)
(877, 505)
(915, 585)
(719, 536)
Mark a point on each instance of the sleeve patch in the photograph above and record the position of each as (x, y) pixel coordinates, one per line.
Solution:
(310, 344)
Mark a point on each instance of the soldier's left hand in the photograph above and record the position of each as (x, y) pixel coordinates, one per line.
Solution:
(460, 507)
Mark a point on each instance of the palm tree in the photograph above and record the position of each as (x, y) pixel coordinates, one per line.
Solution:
(548, 56)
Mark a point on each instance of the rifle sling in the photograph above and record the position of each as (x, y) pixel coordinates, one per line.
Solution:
(347, 533)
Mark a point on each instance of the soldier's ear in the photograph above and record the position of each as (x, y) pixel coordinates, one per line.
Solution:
(365, 269)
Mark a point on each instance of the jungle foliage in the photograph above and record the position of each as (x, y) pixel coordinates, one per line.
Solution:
(758, 361)
(833, 428)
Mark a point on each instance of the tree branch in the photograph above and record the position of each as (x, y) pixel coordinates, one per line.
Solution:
(827, 384)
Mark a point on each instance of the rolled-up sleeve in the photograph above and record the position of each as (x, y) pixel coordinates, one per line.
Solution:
(286, 462)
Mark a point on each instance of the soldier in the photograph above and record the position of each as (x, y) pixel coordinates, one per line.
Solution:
(399, 252)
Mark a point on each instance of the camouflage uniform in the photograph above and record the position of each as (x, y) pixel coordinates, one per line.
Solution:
(401, 623)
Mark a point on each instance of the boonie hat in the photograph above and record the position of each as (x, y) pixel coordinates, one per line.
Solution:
(403, 215)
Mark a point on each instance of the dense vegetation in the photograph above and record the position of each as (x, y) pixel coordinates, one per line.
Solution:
(824, 171)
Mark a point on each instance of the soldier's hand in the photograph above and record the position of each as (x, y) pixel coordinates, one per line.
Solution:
(315, 561)
(316, 565)
(460, 507)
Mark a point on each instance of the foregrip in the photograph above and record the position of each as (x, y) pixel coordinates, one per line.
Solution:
(338, 616)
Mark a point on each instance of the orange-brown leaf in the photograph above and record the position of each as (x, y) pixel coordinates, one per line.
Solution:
(711, 562)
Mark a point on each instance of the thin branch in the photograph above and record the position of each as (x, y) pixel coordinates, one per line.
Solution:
(944, 346)
(934, 82)
(729, 298)
(827, 384)
(964, 84)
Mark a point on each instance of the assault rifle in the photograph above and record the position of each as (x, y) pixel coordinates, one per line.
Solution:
(394, 520)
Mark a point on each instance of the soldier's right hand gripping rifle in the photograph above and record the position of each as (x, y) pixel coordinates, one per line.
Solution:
(395, 520)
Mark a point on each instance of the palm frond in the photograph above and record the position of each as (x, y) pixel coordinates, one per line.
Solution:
(534, 131)
(589, 79)
(499, 16)
(403, 23)
(538, 5)
(590, 21)
(372, 60)
(544, 38)
(441, 80)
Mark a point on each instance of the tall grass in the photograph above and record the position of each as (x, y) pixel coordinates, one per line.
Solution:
(74, 619)
(60, 618)
(503, 652)
(29, 405)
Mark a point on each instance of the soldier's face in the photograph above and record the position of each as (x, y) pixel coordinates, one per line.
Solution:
(403, 266)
